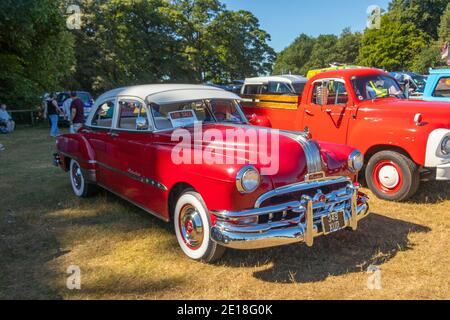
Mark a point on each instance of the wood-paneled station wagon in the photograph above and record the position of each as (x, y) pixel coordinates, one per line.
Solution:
(152, 145)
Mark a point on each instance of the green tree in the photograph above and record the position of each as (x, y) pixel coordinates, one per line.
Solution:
(347, 46)
(294, 58)
(307, 53)
(148, 41)
(324, 52)
(36, 50)
(393, 47)
(126, 43)
(239, 47)
(429, 57)
(444, 26)
(425, 14)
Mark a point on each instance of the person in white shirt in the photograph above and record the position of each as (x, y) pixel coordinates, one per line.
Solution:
(66, 108)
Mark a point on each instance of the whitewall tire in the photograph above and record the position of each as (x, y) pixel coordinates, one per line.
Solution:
(193, 229)
(80, 187)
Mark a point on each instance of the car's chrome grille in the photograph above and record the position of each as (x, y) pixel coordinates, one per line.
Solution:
(336, 200)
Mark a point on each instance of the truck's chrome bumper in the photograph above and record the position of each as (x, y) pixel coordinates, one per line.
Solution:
(443, 172)
(244, 231)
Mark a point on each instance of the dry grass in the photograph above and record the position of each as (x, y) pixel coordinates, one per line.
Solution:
(125, 254)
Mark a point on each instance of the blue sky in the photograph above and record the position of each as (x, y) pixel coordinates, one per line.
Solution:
(284, 20)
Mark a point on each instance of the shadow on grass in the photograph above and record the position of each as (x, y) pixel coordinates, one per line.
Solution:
(431, 192)
(377, 241)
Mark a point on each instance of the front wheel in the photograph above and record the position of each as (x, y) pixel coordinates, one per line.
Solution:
(392, 176)
(193, 229)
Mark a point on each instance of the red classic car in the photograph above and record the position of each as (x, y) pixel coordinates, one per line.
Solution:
(187, 154)
(403, 141)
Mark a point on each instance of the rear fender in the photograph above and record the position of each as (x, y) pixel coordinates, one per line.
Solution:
(77, 147)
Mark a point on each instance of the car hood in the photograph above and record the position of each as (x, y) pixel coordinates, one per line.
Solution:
(276, 155)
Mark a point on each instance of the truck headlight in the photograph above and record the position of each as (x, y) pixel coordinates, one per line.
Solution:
(445, 145)
(248, 179)
(355, 161)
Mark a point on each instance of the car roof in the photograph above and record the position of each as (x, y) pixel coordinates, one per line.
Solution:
(354, 72)
(170, 93)
(439, 71)
(286, 78)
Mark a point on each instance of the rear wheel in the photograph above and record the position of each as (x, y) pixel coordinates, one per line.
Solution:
(80, 187)
(193, 229)
(392, 176)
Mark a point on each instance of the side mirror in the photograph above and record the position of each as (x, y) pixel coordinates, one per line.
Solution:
(259, 121)
(141, 123)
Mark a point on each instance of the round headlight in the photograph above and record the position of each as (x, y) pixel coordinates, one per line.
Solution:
(248, 179)
(355, 161)
(445, 146)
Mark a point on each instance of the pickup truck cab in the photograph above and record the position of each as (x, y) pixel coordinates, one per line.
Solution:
(438, 86)
(404, 141)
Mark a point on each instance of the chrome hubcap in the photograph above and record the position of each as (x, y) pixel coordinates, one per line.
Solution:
(191, 226)
(389, 177)
(76, 176)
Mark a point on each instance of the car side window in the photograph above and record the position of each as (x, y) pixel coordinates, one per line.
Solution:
(329, 92)
(253, 89)
(104, 115)
(129, 112)
(278, 88)
(442, 89)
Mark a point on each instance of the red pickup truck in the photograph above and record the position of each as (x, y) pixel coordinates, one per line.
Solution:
(404, 141)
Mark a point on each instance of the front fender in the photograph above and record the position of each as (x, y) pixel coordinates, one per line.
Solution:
(368, 132)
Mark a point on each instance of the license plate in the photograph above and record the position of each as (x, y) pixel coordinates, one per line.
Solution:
(333, 222)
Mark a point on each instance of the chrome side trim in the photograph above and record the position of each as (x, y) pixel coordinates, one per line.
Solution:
(136, 177)
(78, 159)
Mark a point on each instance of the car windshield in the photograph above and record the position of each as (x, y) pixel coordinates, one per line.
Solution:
(186, 114)
(420, 80)
(376, 86)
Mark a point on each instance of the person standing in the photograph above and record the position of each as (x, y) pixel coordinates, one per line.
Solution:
(66, 108)
(77, 109)
(52, 112)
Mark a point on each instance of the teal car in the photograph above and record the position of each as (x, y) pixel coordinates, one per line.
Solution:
(438, 86)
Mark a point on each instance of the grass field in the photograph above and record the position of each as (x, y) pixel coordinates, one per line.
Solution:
(124, 253)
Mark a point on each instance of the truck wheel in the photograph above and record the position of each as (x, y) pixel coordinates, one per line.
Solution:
(80, 187)
(193, 229)
(392, 176)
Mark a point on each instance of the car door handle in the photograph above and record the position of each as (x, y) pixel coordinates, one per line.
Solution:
(113, 134)
(328, 111)
(309, 113)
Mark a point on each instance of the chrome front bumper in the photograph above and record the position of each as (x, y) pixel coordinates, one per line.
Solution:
(231, 233)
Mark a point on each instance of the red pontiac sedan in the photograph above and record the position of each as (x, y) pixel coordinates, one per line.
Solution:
(187, 154)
